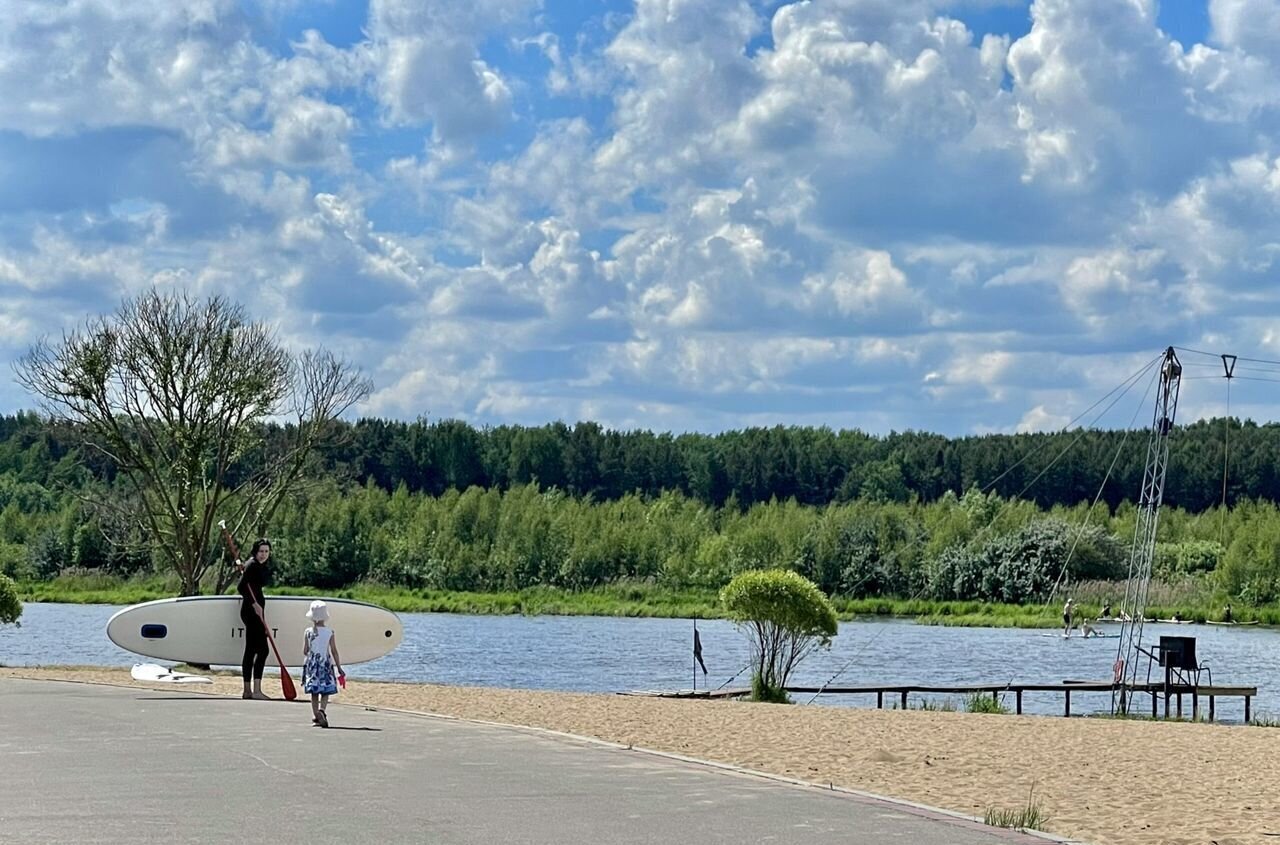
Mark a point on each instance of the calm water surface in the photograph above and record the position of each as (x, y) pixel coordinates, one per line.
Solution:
(608, 654)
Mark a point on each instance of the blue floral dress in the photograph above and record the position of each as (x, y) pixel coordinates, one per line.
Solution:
(318, 670)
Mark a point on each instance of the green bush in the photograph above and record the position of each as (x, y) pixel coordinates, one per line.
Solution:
(10, 605)
(1250, 569)
(786, 616)
(981, 702)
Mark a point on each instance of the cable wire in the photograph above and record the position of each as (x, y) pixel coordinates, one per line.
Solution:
(1089, 514)
(1124, 384)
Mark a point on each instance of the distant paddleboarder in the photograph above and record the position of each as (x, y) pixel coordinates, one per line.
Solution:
(253, 615)
(1068, 610)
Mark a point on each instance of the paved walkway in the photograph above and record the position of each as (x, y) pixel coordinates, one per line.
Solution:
(84, 763)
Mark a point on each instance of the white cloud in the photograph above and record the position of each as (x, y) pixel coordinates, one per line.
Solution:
(1251, 25)
(1041, 418)
(864, 285)
(1101, 95)
(691, 215)
(430, 68)
(304, 132)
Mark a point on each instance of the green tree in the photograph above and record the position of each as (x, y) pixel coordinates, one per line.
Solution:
(10, 604)
(786, 617)
(175, 392)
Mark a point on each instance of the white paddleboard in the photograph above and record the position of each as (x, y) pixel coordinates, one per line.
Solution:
(152, 672)
(208, 629)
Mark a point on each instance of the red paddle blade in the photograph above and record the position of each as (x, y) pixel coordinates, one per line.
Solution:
(286, 685)
(286, 681)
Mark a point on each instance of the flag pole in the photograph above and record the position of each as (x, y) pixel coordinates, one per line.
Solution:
(697, 657)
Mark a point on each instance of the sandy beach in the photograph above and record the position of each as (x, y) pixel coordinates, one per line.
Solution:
(1101, 781)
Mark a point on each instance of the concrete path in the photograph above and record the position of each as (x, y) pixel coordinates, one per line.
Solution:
(84, 763)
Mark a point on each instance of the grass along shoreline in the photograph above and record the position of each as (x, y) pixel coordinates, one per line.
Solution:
(634, 599)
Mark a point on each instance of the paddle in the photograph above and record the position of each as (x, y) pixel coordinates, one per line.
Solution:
(286, 680)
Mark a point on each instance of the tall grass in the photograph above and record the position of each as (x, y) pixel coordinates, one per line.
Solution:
(1190, 599)
(625, 599)
(945, 705)
(1184, 593)
(1030, 816)
(1265, 721)
(89, 587)
(981, 702)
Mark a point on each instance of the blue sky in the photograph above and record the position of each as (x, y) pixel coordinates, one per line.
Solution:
(961, 216)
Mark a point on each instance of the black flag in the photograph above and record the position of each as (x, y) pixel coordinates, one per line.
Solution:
(697, 648)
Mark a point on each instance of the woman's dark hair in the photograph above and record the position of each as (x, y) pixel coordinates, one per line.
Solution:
(257, 545)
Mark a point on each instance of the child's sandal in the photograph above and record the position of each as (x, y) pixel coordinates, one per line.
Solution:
(324, 720)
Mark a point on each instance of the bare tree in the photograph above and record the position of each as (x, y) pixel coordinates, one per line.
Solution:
(178, 394)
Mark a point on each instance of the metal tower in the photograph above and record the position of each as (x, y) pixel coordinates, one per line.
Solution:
(1134, 607)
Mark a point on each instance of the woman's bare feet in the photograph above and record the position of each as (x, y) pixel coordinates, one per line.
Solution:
(261, 696)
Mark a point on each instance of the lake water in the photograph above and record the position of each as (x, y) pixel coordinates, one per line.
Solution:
(608, 654)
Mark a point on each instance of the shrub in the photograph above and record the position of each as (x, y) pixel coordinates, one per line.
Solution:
(786, 617)
(981, 702)
(10, 605)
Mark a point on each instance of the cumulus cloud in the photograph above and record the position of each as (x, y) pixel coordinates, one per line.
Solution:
(1251, 25)
(866, 287)
(681, 215)
(429, 69)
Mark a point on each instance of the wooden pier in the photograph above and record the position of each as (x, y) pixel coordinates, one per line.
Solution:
(1170, 693)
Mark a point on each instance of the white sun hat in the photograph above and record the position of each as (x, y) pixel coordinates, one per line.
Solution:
(318, 612)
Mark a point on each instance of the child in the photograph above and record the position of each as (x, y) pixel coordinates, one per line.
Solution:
(320, 650)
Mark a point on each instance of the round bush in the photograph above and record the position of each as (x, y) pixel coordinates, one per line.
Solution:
(786, 616)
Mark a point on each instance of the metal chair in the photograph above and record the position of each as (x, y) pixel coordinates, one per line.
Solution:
(1178, 657)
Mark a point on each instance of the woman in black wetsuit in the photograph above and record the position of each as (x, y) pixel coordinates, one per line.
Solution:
(252, 609)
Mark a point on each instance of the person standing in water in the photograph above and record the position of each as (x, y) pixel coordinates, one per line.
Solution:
(1067, 611)
(253, 608)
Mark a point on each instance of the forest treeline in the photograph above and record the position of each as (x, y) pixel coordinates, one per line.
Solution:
(448, 506)
(813, 466)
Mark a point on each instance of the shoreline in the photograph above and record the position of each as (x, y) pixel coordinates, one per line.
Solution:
(1196, 782)
(621, 601)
